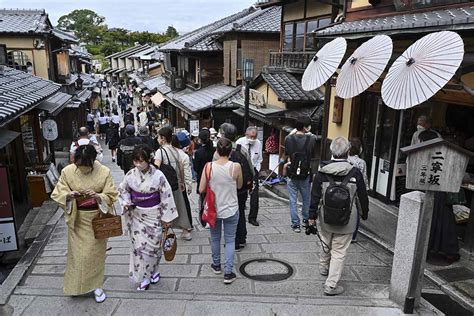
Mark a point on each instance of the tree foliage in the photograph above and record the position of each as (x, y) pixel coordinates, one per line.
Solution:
(90, 28)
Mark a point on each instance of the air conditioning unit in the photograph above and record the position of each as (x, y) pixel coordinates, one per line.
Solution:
(179, 83)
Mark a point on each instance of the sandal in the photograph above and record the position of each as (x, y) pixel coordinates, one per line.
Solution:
(99, 295)
(155, 278)
(144, 285)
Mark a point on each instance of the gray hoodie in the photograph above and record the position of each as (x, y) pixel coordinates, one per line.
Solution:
(338, 169)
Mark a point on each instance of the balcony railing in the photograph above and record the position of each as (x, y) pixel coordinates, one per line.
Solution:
(291, 61)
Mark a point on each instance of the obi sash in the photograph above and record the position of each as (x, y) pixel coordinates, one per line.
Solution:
(145, 199)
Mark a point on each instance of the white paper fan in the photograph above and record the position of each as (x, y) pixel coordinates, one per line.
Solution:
(324, 64)
(423, 69)
(364, 67)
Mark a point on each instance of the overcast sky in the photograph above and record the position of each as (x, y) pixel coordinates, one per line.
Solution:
(141, 15)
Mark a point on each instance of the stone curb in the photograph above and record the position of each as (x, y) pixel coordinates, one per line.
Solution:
(21, 268)
(446, 287)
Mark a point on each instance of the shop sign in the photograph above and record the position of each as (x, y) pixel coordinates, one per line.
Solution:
(6, 207)
(435, 165)
(193, 125)
(50, 130)
(8, 239)
(256, 98)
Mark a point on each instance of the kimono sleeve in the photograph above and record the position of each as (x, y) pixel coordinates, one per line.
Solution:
(167, 206)
(108, 195)
(124, 192)
(60, 193)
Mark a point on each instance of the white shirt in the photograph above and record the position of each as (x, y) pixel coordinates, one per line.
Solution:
(102, 120)
(85, 141)
(255, 151)
(90, 117)
(115, 119)
(143, 119)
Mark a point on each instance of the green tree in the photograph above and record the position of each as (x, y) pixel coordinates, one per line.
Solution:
(87, 24)
(171, 32)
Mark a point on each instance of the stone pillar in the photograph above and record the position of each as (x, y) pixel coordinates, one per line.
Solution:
(414, 221)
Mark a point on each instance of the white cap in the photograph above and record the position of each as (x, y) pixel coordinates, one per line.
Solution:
(212, 131)
(195, 133)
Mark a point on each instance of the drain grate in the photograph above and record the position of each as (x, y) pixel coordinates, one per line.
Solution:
(267, 270)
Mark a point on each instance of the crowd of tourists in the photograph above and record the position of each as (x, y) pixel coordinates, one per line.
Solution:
(160, 165)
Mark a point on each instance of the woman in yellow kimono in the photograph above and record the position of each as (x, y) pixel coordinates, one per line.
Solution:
(85, 188)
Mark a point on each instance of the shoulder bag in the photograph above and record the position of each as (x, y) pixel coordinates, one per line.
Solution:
(210, 212)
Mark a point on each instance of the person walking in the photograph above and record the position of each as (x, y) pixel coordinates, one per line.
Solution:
(300, 148)
(144, 135)
(115, 119)
(225, 178)
(148, 206)
(336, 234)
(84, 189)
(203, 154)
(180, 141)
(126, 147)
(113, 139)
(239, 155)
(169, 155)
(90, 121)
(85, 138)
(254, 148)
(359, 163)
(102, 119)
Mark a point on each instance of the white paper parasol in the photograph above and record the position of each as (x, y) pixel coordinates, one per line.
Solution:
(364, 67)
(324, 64)
(423, 69)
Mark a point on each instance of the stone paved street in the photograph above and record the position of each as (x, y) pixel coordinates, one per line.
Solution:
(188, 287)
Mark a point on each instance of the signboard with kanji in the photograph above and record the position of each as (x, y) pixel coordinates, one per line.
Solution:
(8, 240)
(436, 165)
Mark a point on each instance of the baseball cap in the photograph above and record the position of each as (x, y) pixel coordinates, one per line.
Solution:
(183, 139)
(212, 131)
(195, 133)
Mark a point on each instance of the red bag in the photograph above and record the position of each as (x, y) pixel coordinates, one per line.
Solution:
(210, 212)
(271, 145)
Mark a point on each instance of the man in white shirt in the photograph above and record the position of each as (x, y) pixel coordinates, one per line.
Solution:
(253, 146)
(84, 139)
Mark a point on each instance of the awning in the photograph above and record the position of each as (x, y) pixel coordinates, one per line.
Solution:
(82, 60)
(266, 120)
(157, 99)
(54, 104)
(73, 104)
(83, 95)
(106, 70)
(7, 137)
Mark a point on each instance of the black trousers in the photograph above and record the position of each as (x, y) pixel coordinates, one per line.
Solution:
(241, 234)
(201, 208)
(254, 199)
(188, 207)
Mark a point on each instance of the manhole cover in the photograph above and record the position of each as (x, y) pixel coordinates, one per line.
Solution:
(265, 269)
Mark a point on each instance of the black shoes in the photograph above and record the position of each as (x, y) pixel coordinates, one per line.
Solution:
(254, 222)
(229, 278)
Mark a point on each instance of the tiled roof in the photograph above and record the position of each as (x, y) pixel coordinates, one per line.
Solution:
(261, 21)
(153, 83)
(83, 95)
(459, 18)
(288, 88)
(202, 39)
(55, 103)
(65, 35)
(148, 51)
(196, 101)
(129, 51)
(21, 91)
(228, 100)
(79, 51)
(24, 21)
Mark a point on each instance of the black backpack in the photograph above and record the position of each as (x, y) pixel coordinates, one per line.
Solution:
(127, 157)
(247, 171)
(169, 171)
(337, 201)
(300, 166)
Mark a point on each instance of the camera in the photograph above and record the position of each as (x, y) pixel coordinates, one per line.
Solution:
(311, 229)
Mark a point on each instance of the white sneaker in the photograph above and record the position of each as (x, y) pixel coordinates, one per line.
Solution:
(99, 295)
(186, 235)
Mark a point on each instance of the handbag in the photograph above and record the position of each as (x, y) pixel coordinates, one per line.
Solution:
(107, 225)
(170, 244)
(210, 213)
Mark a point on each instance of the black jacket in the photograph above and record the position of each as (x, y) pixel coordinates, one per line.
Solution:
(202, 155)
(125, 150)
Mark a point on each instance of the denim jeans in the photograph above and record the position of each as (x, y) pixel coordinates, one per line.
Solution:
(230, 227)
(296, 186)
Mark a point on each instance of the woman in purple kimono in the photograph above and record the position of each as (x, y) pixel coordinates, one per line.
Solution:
(148, 204)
